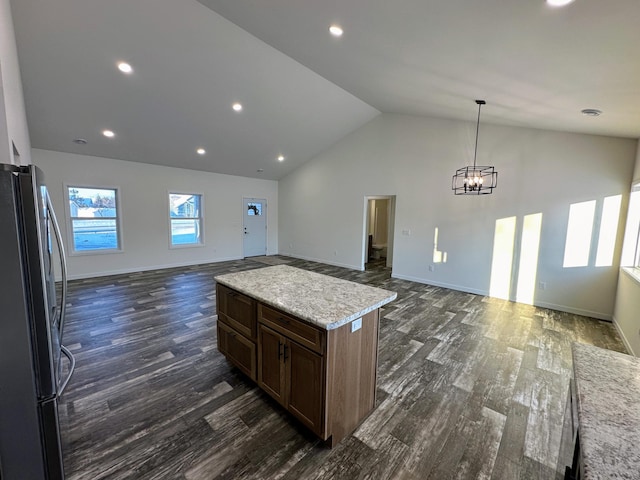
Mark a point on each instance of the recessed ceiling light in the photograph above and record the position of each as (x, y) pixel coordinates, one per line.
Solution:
(237, 107)
(201, 151)
(281, 158)
(591, 112)
(108, 133)
(80, 141)
(260, 170)
(124, 67)
(559, 3)
(336, 30)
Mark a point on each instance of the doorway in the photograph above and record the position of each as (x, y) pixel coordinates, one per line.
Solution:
(254, 227)
(379, 230)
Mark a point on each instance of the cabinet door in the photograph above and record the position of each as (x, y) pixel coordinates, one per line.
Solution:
(237, 309)
(238, 349)
(305, 372)
(271, 367)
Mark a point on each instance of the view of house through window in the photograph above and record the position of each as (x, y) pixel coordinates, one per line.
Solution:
(185, 216)
(94, 218)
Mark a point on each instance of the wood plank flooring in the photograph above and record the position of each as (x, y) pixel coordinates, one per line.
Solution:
(469, 387)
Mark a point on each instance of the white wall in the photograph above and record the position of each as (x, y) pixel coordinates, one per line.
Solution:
(627, 307)
(13, 119)
(414, 158)
(627, 310)
(144, 193)
(636, 171)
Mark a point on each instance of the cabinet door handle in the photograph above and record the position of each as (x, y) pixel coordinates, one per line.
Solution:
(285, 353)
(282, 319)
(280, 345)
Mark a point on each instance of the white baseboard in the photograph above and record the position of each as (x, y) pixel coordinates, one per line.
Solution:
(578, 311)
(624, 338)
(440, 284)
(552, 306)
(322, 260)
(123, 271)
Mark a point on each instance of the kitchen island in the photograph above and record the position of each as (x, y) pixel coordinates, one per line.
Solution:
(309, 340)
(607, 395)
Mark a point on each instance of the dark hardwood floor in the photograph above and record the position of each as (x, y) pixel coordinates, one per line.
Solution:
(469, 386)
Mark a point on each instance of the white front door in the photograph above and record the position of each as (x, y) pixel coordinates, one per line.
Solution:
(255, 227)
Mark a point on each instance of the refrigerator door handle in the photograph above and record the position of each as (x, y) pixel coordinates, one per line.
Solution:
(72, 367)
(63, 265)
(63, 301)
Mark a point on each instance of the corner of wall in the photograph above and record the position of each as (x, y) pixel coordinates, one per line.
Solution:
(13, 117)
(625, 340)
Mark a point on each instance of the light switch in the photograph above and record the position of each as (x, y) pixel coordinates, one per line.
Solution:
(356, 325)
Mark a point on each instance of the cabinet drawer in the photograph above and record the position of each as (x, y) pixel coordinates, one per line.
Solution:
(238, 349)
(297, 330)
(237, 310)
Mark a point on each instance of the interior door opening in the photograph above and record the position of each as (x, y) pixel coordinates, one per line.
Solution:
(379, 220)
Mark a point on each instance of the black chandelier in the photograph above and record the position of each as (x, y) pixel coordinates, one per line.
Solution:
(476, 180)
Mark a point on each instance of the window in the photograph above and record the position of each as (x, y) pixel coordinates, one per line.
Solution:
(93, 213)
(631, 244)
(254, 208)
(185, 217)
(577, 247)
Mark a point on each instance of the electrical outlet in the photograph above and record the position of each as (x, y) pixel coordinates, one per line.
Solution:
(542, 285)
(291, 245)
(356, 325)
(431, 268)
(406, 232)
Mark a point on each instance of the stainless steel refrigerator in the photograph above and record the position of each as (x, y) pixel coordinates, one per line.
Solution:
(32, 315)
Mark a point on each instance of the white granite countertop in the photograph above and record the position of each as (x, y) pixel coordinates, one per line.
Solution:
(324, 301)
(608, 391)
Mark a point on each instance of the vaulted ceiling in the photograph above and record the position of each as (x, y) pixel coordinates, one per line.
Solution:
(301, 89)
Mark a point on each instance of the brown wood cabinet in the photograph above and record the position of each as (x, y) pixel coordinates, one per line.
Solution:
(237, 348)
(293, 375)
(237, 310)
(237, 329)
(325, 378)
(272, 370)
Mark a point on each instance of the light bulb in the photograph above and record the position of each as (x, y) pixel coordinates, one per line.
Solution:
(559, 3)
(336, 30)
(124, 67)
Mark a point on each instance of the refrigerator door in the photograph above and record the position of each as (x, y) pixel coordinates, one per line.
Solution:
(41, 282)
(30, 323)
(20, 428)
(51, 438)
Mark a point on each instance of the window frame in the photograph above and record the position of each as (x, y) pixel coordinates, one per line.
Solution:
(200, 218)
(636, 258)
(631, 235)
(70, 231)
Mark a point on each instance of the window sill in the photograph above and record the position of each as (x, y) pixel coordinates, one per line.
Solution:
(633, 272)
(84, 253)
(187, 245)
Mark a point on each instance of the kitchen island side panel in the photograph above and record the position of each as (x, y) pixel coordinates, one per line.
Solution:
(352, 360)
